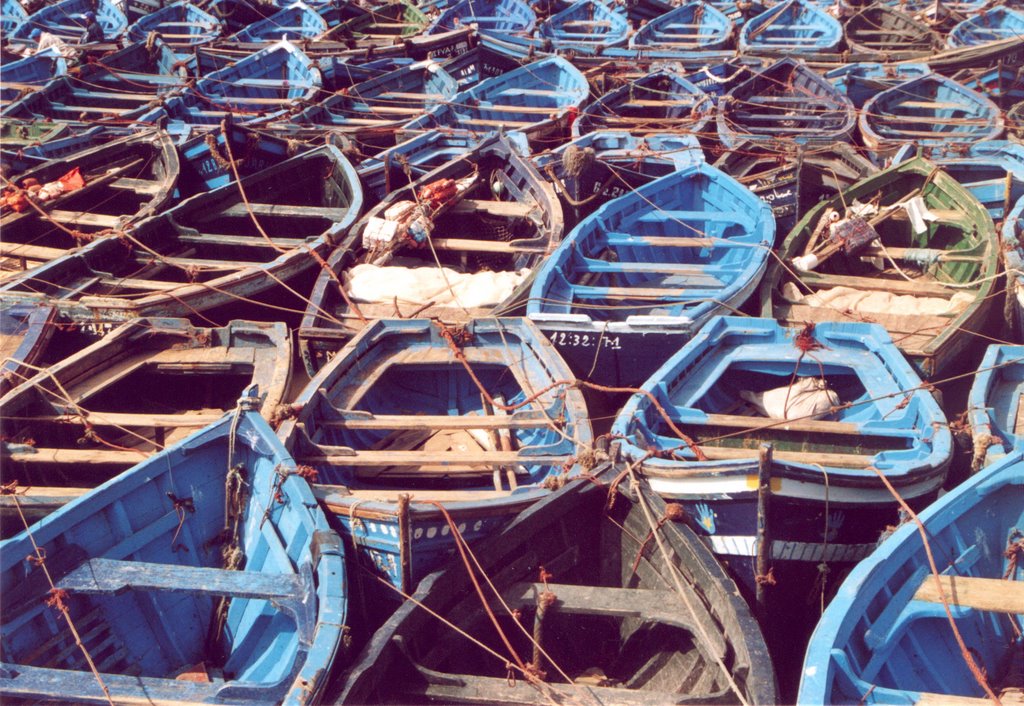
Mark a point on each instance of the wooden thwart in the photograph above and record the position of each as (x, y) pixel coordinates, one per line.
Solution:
(995, 595)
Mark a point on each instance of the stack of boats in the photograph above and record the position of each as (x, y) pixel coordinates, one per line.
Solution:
(481, 351)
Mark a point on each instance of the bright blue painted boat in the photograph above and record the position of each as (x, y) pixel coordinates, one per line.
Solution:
(212, 249)
(693, 26)
(1012, 235)
(181, 25)
(642, 274)
(205, 164)
(661, 101)
(618, 596)
(862, 80)
(65, 99)
(1004, 85)
(153, 541)
(535, 99)
(886, 637)
(785, 103)
(600, 166)
(929, 111)
(992, 170)
(126, 180)
(261, 87)
(839, 405)
(791, 27)
(25, 157)
(147, 66)
(66, 19)
(497, 17)
(585, 24)
(461, 242)
(396, 413)
(992, 25)
(29, 74)
(389, 99)
(993, 405)
(24, 333)
(296, 22)
(12, 16)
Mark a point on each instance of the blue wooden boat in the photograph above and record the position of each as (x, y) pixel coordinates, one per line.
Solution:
(24, 333)
(661, 101)
(642, 274)
(600, 166)
(340, 72)
(585, 24)
(12, 16)
(461, 242)
(791, 27)
(785, 103)
(126, 180)
(604, 587)
(994, 405)
(257, 88)
(142, 387)
(246, 591)
(837, 417)
(233, 243)
(65, 99)
(792, 182)
(719, 78)
(693, 26)
(861, 80)
(887, 638)
(22, 158)
(497, 17)
(1003, 85)
(410, 160)
(29, 74)
(149, 66)
(390, 99)
(204, 158)
(882, 33)
(992, 170)
(1012, 237)
(924, 271)
(535, 99)
(297, 21)
(181, 25)
(66, 19)
(380, 26)
(395, 413)
(997, 23)
(929, 111)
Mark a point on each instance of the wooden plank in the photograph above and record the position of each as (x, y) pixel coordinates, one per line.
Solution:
(141, 284)
(114, 576)
(125, 419)
(436, 422)
(930, 699)
(722, 453)
(468, 245)
(497, 123)
(656, 293)
(918, 287)
(507, 209)
(77, 456)
(668, 241)
(285, 210)
(754, 423)
(661, 268)
(139, 186)
(249, 241)
(31, 252)
(84, 218)
(324, 494)
(994, 595)
(449, 461)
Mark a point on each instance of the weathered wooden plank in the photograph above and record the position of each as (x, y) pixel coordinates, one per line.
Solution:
(81, 456)
(438, 421)
(273, 209)
(918, 287)
(31, 252)
(85, 218)
(507, 209)
(815, 426)
(149, 285)
(452, 461)
(101, 575)
(722, 453)
(995, 595)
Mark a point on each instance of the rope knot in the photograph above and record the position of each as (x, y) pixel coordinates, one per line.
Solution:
(58, 599)
(766, 579)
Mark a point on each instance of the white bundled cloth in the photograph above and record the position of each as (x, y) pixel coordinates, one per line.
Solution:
(418, 285)
(807, 398)
(878, 302)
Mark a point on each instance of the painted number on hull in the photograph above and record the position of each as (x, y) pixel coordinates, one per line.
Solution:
(584, 340)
